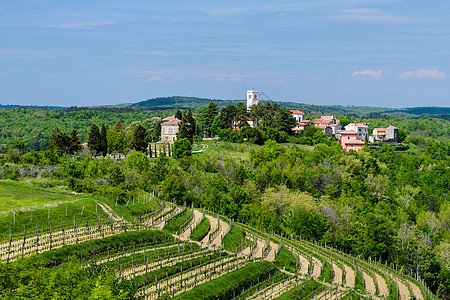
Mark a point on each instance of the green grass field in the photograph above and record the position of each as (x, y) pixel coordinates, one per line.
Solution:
(29, 202)
(20, 196)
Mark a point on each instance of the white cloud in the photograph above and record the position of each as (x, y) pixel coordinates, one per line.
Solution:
(231, 79)
(277, 82)
(160, 53)
(423, 74)
(83, 25)
(155, 78)
(368, 74)
(372, 15)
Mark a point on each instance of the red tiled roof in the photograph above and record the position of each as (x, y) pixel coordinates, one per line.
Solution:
(348, 132)
(380, 129)
(361, 125)
(169, 118)
(305, 121)
(297, 112)
(172, 122)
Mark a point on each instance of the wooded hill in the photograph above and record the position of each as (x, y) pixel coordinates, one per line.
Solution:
(179, 102)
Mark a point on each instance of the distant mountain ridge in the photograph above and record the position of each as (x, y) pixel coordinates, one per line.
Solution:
(180, 102)
(195, 103)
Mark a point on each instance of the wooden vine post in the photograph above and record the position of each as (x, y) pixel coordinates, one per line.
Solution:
(75, 228)
(10, 241)
(37, 237)
(63, 232)
(50, 230)
(24, 237)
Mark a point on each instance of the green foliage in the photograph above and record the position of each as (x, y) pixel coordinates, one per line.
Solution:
(174, 224)
(270, 151)
(99, 247)
(187, 126)
(305, 290)
(234, 238)
(117, 141)
(201, 230)
(23, 280)
(184, 265)
(224, 286)
(62, 143)
(94, 140)
(286, 259)
(207, 117)
(327, 272)
(359, 282)
(103, 141)
(182, 148)
(139, 140)
(138, 161)
(353, 296)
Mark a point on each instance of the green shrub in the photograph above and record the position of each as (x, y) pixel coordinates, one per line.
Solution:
(223, 287)
(234, 238)
(201, 230)
(175, 224)
(327, 272)
(306, 290)
(286, 259)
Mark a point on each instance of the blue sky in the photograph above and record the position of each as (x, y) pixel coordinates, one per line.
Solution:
(354, 52)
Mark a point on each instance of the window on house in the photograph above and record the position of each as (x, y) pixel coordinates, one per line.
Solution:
(348, 138)
(167, 130)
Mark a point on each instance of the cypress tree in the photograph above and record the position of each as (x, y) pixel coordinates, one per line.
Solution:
(74, 141)
(59, 141)
(103, 141)
(140, 139)
(94, 140)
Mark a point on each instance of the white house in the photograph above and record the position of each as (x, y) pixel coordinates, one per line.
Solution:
(362, 130)
(298, 115)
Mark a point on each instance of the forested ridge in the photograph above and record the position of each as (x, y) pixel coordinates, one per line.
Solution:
(34, 125)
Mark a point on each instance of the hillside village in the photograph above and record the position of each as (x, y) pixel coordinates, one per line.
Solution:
(352, 136)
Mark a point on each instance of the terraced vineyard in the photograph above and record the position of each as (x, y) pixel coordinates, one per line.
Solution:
(226, 260)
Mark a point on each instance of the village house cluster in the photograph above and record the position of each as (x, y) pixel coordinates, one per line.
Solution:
(352, 137)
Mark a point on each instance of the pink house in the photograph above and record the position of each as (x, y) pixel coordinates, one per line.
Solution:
(350, 142)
